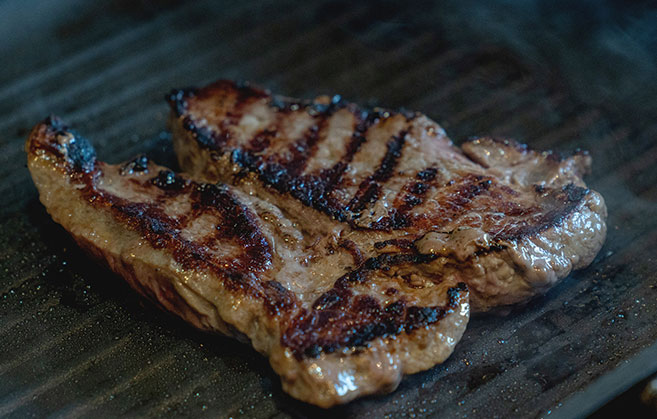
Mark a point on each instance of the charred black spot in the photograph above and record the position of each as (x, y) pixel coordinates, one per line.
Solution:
(427, 175)
(400, 243)
(368, 190)
(490, 249)
(454, 293)
(204, 136)
(81, 153)
(418, 316)
(169, 181)
(574, 193)
(396, 220)
(419, 188)
(138, 164)
(412, 200)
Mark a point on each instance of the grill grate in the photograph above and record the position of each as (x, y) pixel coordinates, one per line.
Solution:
(78, 342)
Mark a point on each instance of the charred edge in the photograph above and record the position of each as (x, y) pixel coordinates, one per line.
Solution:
(368, 190)
(81, 153)
(78, 150)
(205, 137)
(214, 140)
(137, 165)
(339, 320)
(245, 90)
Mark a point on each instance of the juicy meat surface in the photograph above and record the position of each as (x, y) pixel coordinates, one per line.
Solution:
(347, 245)
(506, 220)
(335, 321)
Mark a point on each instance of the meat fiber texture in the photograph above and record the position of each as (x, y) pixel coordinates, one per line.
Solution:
(346, 245)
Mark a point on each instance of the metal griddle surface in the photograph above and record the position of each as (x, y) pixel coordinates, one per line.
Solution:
(76, 341)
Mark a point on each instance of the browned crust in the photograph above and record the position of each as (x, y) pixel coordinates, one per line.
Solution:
(339, 319)
(460, 195)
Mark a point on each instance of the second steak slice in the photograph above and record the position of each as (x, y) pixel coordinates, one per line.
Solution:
(507, 220)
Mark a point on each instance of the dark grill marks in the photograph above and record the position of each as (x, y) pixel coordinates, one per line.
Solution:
(237, 222)
(304, 148)
(313, 189)
(460, 193)
(403, 244)
(284, 174)
(340, 320)
(368, 190)
(410, 196)
(243, 95)
(568, 199)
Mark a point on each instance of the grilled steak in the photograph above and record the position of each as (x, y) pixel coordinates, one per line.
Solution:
(507, 220)
(337, 320)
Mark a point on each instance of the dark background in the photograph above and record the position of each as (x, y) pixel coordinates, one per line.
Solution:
(76, 341)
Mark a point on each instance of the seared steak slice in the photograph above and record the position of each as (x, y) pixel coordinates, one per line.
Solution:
(508, 221)
(335, 323)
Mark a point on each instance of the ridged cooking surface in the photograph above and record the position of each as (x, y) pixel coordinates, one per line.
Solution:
(76, 341)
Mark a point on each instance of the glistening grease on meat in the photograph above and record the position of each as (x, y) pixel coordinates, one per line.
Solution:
(346, 245)
(506, 220)
(334, 324)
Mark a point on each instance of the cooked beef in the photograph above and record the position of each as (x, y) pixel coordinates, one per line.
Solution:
(336, 319)
(345, 244)
(506, 220)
